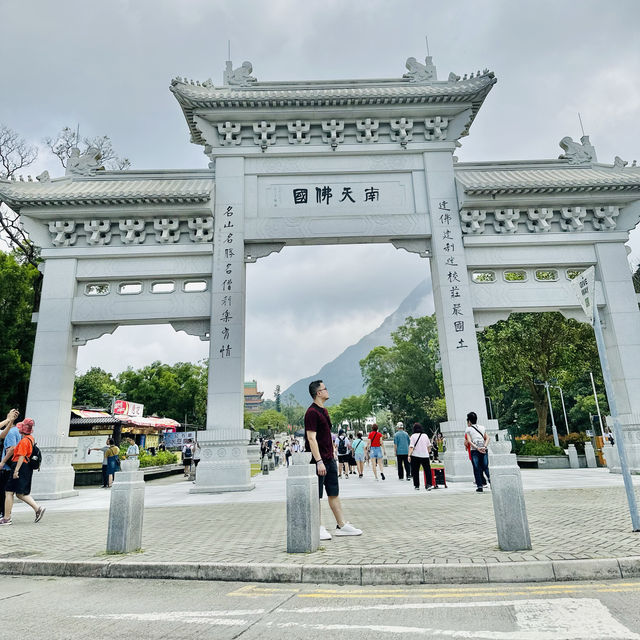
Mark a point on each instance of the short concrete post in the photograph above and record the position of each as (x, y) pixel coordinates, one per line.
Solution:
(265, 466)
(127, 509)
(573, 457)
(303, 506)
(590, 455)
(508, 498)
(272, 465)
(610, 453)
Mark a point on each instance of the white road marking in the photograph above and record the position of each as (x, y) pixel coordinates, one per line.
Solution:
(556, 619)
(553, 619)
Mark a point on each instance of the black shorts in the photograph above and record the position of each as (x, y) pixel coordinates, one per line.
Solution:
(186, 462)
(344, 459)
(330, 481)
(22, 484)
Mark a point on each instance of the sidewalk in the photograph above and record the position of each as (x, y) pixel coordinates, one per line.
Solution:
(579, 521)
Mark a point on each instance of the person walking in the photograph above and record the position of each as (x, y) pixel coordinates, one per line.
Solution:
(10, 435)
(401, 449)
(419, 446)
(343, 446)
(133, 451)
(187, 457)
(477, 438)
(20, 482)
(317, 432)
(376, 451)
(358, 447)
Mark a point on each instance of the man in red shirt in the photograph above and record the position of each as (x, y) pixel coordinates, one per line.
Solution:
(376, 451)
(318, 440)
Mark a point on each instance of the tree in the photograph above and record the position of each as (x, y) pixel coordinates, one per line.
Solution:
(67, 139)
(532, 347)
(17, 334)
(293, 410)
(15, 155)
(356, 408)
(176, 391)
(403, 377)
(271, 421)
(95, 388)
(276, 395)
(636, 279)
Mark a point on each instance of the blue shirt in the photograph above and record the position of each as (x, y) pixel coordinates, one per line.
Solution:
(401, 440)
(13, 437)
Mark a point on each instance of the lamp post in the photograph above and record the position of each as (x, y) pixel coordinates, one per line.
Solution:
(564, 411)
(490, 408)
(546, 385)
(595, 397)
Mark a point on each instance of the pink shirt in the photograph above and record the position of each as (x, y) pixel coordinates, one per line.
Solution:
(421, 445)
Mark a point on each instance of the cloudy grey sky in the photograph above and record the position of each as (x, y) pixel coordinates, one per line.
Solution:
(108, 65)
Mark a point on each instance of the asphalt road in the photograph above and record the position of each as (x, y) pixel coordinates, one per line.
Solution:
(74, 608)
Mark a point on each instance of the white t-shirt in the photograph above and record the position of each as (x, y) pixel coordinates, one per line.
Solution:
(421, 445)
(133, 450)
(476, 438)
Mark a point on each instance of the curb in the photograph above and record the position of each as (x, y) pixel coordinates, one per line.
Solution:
(380, 574)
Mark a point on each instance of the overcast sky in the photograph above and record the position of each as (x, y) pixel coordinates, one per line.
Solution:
(108, 65)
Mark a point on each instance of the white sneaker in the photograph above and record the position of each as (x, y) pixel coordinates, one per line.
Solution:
(324, 534)
(347, 529)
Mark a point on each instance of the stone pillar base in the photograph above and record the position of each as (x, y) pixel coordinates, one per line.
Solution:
(56, 476)
(126, 510)
(457, 465)
(303, 506)
(224, 462)
(630, 426)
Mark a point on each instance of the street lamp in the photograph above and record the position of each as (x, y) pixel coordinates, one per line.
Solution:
(546, 385)
(490, 408)
(564, 411)
(595, 397)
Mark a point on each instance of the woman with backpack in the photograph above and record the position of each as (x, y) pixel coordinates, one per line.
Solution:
(22, 462)
(419, 446)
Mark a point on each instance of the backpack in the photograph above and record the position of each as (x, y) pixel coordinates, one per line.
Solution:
(188, 452)
(36, 457)
(342, 446)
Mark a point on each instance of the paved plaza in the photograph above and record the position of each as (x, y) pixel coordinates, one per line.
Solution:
(574, 515)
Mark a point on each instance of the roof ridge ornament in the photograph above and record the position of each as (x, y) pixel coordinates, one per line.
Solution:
(420, 73)
(240, 77)
(582, 153)
(84, 164)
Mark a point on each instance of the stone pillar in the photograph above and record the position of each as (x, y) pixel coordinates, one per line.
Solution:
(590, 455)
(224, 462)
(509, 507)
(463, 387)
(621, 330)
(303, 506)
(573, 457)
(53, 370)
(126, 510)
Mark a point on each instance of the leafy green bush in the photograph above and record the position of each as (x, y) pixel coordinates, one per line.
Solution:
(537, 448)
(160, 459)
(575, 438)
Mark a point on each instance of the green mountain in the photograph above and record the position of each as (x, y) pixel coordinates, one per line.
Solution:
(342, 375)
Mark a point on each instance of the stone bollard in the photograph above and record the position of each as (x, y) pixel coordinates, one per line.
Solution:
(272, 465)
(127, 509)
(303, 506)
(508, 498)
(610, 452)
(590, 455)
(573, 457)
(265, 467)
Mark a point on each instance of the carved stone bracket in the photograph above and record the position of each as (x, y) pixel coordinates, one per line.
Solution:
(198, 328)
(367, 130)
(436, 128)
(605, 217)
(132, 231)
(299, 132)
(473, 220)
(539, 220)
(421, 246)
(167, 230)
(401, 131)
(229, 133)
(264, 134)
(98, 232)
(572, 218)
(82, 333)
(333, 132)
(201, 229)
(64, 233)
(255, 251)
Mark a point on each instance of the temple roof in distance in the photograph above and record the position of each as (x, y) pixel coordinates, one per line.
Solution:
(111, 187)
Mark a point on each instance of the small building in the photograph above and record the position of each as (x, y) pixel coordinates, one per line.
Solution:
(252, 397)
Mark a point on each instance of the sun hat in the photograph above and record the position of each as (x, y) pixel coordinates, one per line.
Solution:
(26, 426)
